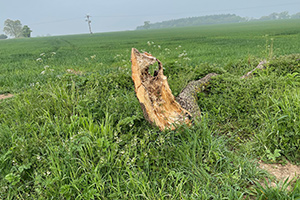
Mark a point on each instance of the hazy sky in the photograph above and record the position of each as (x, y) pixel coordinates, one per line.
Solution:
(62, 17)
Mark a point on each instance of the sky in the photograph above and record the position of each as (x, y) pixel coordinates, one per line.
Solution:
(65, 17)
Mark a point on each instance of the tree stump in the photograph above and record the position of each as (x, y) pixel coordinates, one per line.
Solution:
(156, 99)
(154, 94)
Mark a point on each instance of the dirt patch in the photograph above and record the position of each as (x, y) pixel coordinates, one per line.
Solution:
(281, 172)
(5, 96)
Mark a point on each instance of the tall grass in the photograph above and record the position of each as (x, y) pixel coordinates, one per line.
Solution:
(52, 146)
(264, 109)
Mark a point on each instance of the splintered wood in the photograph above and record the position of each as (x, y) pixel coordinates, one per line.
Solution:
(154, 94)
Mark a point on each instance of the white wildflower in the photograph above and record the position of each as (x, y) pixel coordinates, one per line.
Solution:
(46, 66)
(39, 60)
(38, 158)
(102, 159)
(43, 72)
(159, 46)
(182, 54)
(133, 160)
(42, 54)
(119, 140)
(149, 43)
(53, 53)
(93, 57)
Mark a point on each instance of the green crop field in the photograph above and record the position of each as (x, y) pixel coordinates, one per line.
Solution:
(74, 128)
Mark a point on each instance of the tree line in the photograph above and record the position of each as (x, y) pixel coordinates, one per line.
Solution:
(15, 29)
(214, 19)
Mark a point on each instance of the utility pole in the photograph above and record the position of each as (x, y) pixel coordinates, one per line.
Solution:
(89, 23)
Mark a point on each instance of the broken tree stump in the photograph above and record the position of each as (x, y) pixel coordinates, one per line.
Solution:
(154, 94)
(159, 106)
(156, 99)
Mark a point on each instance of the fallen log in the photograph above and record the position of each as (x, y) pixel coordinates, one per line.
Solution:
(188, 96)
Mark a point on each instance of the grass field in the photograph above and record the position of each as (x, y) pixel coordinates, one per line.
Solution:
(75, 130)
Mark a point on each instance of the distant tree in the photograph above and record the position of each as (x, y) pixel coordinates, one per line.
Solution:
(296, 16)
(284, 15)
(26, 32)
(2, 37)
(146, 24)
(13, 28)
(272, 16)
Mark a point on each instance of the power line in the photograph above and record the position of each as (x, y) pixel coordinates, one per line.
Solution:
(165, 14)
(207, 11)
(55, 21)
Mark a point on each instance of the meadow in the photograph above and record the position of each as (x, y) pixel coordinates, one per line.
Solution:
(75, 130)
